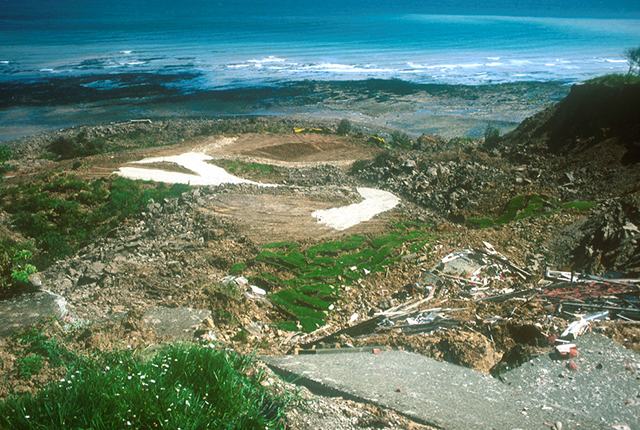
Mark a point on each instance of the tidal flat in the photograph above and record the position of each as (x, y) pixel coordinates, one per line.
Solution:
(28, 107)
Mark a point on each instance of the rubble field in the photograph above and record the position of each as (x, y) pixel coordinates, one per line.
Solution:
(493, 256)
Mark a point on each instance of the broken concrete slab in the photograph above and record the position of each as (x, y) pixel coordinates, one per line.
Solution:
(428, 391)
(178, 323)
(27, 308)
(604, 387)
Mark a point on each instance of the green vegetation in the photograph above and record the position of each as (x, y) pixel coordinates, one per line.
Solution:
(344, 128)
(401, 140)
(615, 80)
(22, 270)
(37, 344)
(248, 170)
(15, 266)
(491, 137)
(527, 206)
(633, 57)
(61, 213)
(316, 274)
(5, 156)
(79, 146)
(238, 267)
(83, 145)
(185, 386)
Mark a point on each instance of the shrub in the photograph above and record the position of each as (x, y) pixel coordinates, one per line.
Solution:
(615, 80)
(403, 140)
(5, 154)
(15, 266)
(66, 148)
(491, 137)
(344, 127)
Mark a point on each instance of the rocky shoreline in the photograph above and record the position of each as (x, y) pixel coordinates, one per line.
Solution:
(448, 110)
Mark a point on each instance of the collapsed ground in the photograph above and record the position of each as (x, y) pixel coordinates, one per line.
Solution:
(176, 252)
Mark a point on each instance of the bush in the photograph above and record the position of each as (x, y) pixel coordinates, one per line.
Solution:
(5, 154)
(403, 140)
(615, 80)
(491, 137)
(69, 147)
(16, 265)
(344, 128)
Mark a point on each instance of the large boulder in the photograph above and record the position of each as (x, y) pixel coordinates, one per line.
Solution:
(27, 308)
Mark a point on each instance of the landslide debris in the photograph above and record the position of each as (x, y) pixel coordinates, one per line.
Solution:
(176, 252)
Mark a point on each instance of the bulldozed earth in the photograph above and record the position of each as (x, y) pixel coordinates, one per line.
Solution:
(539, 199)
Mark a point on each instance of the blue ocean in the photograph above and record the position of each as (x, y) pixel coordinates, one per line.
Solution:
(224, 44)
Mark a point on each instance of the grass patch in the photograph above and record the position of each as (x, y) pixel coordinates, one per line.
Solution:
(238, 267)
(615, 80)
(61, 213)
(532, 205)
(248, 170)
(186, 386)
(35, 341)
(581, 206)
(317, 272)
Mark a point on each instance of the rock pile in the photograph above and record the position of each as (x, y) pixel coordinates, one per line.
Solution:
(154, 259)
(612, 238)
(448, 188)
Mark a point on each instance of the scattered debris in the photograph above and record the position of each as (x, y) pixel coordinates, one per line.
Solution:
(573, 293)
(482, 273)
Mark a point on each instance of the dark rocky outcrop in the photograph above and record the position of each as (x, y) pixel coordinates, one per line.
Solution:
(612, 238)
(590, 115)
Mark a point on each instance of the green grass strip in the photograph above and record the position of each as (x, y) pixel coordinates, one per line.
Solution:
(525, 206)
(317, 271)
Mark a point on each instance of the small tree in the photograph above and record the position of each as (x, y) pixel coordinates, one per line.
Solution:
(491, 137)
(344, 127)
(633, 57)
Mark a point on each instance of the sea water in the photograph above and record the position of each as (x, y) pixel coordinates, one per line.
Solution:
(225, 44)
